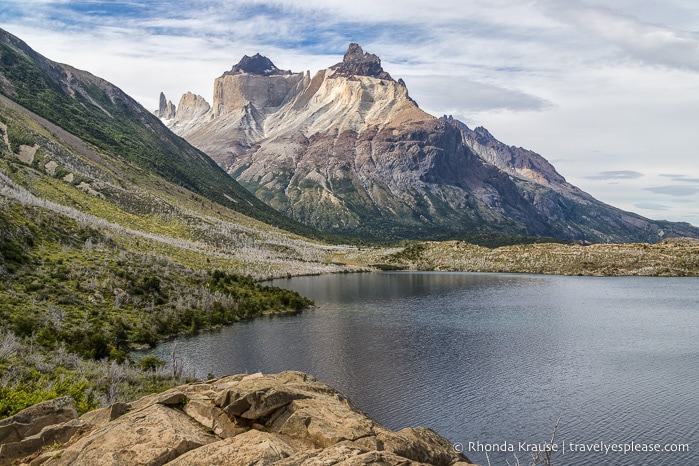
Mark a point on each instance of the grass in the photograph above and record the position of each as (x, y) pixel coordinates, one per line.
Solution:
(670, 257)
(76, 290)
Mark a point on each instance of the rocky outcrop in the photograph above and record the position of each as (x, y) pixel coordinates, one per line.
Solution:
(257, 64)
(287, 419)
(191, 108)
(516, 161)
(356, 62)
(41, 425)
(167, 109)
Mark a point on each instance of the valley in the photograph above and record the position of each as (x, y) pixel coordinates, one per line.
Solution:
(120, 229)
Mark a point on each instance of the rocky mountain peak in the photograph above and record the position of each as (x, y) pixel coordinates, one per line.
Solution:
(257, 64)
(166, 109)
(484, 133)
(348, 151)
(356, 62)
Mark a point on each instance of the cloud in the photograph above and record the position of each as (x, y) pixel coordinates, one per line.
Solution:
(461, 96)
(675, 190)
(651, 206)
(647, 41)
(617, 175)
(681, 178)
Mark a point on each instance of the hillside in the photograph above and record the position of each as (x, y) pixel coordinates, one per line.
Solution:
(349, 151)
(106, 119)
(108, 241)
(674, 257)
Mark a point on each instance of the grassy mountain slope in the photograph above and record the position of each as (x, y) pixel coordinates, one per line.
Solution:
(93, 264)
(105, 117)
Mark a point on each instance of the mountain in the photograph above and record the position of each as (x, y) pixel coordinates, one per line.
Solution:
(114, 234)
(106, 214)
(348, 151)
(100, 114)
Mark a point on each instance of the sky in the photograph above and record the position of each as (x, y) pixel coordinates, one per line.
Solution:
(607, 91)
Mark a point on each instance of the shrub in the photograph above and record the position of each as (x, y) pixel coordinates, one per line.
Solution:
(151, 363)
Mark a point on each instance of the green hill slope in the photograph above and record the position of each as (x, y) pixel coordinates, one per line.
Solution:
(103, 116)
(115, 233)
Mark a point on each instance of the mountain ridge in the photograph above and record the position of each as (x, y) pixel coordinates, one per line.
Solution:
(349, 151)
(101, 114)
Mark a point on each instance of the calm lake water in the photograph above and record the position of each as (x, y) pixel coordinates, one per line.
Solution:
(492, 359)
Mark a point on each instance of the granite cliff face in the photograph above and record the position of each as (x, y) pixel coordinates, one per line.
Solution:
(284, 419)
(348, 151)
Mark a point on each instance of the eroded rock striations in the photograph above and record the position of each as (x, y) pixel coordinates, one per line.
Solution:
(284, 419)
(348, 151)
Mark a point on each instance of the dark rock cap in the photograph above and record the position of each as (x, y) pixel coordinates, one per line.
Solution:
(484, 133)
(257, 64)
(358, 63)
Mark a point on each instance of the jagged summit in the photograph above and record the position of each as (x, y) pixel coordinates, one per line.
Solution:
(483, 132)
(356, 62)
(166, 110)
(257, 64)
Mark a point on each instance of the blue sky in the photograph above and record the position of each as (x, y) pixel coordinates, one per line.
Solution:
(608, 91)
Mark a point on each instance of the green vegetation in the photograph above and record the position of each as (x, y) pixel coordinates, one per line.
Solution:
(69, 289)
(72, 284)
(32, 373)
(670, 257)
(19, 135)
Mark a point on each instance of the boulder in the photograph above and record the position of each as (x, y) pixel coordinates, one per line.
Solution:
(250, 448)
(31, 420)
(151, 436)
(49, 435)
(323, 424)
(419, 444)
(346, 454)
(102, 416)
(42, 424)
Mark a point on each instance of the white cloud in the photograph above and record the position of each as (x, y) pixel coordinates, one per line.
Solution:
(650, 42)
(461, 97)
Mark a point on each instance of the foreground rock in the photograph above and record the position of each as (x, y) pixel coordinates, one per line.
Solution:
(46, 423)
(286, 419)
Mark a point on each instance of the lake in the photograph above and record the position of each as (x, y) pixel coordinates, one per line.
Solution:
(491, 360)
